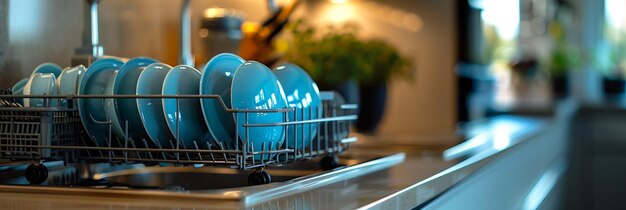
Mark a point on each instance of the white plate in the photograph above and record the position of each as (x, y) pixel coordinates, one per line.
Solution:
(18, 90)
(41, 84)
(67, 82)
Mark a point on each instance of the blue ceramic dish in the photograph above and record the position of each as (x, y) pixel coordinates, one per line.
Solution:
(255, 87)
(94, 82)
(68, 81)
(109, 109)
(48, 68)
(41, 84)
(302, 94)
(216, 79)
(184, 80)
(126, 111)
(18, 90)
(150, 82)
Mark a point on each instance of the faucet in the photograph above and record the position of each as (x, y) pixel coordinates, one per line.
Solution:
(185, 57)
(91, 48)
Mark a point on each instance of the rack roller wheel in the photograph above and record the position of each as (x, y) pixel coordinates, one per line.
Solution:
(329, 162)
(36, 173)
(259, 178)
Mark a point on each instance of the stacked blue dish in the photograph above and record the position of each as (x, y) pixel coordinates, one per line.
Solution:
(245, 90)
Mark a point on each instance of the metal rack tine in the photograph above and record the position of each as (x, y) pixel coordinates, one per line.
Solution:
(208, 145)
(222, 148)
(251, 149)
(145, 144)
(198, 148)
(158, 144)
(263, 149)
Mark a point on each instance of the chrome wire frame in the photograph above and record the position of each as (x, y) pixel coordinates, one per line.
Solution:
(56, 133)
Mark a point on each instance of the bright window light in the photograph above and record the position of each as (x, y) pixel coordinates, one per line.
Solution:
(615, 12)
(504, 15)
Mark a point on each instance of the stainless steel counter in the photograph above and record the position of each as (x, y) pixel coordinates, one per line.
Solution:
(426, 172)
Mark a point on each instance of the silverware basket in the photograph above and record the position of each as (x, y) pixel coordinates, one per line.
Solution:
(24, 133)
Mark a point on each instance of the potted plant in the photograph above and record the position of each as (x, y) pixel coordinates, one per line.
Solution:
(360, 69)
(564, 58)
(610, 59)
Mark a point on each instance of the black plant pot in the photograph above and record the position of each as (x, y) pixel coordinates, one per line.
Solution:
(613, 86)
(560, 86)
(349, 90)
(371, 107)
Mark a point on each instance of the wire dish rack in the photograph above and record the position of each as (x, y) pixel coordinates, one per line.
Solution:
(56, 133)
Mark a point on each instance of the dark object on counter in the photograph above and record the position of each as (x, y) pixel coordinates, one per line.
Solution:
(372, 107)
(371, 100)
(475, 91)
(349, 90)
(613, 85)
(560, 86)
(220, 31)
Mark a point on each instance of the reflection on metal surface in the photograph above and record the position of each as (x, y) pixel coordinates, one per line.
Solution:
(544, 186)
(466, 147)
(191, 183)
(517, 129)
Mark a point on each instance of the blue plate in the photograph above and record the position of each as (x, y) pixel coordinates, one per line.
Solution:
(126, 111)
(185, 80)
(41, 84)
(216, 80)
(304, 95)
(109, 108)
(151, 109)
(68, 81)
(48, 68)
(18, 90)
(255, 87)
(94, 82)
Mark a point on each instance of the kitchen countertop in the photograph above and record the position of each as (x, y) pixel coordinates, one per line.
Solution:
(426, 172)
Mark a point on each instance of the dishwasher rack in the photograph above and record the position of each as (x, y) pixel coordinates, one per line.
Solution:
(56, 133)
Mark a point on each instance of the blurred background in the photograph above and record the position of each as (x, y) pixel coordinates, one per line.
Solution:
(440, 64)
(466, 59)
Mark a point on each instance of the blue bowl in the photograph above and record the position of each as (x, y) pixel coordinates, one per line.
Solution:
(41, 84)
(18, 90)
(126, 111)
(302, 94)
(150, 82)
(216, 79)
(255, 87)
(94, 82)
(67, 82)
(45, 68)
(184, 80)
